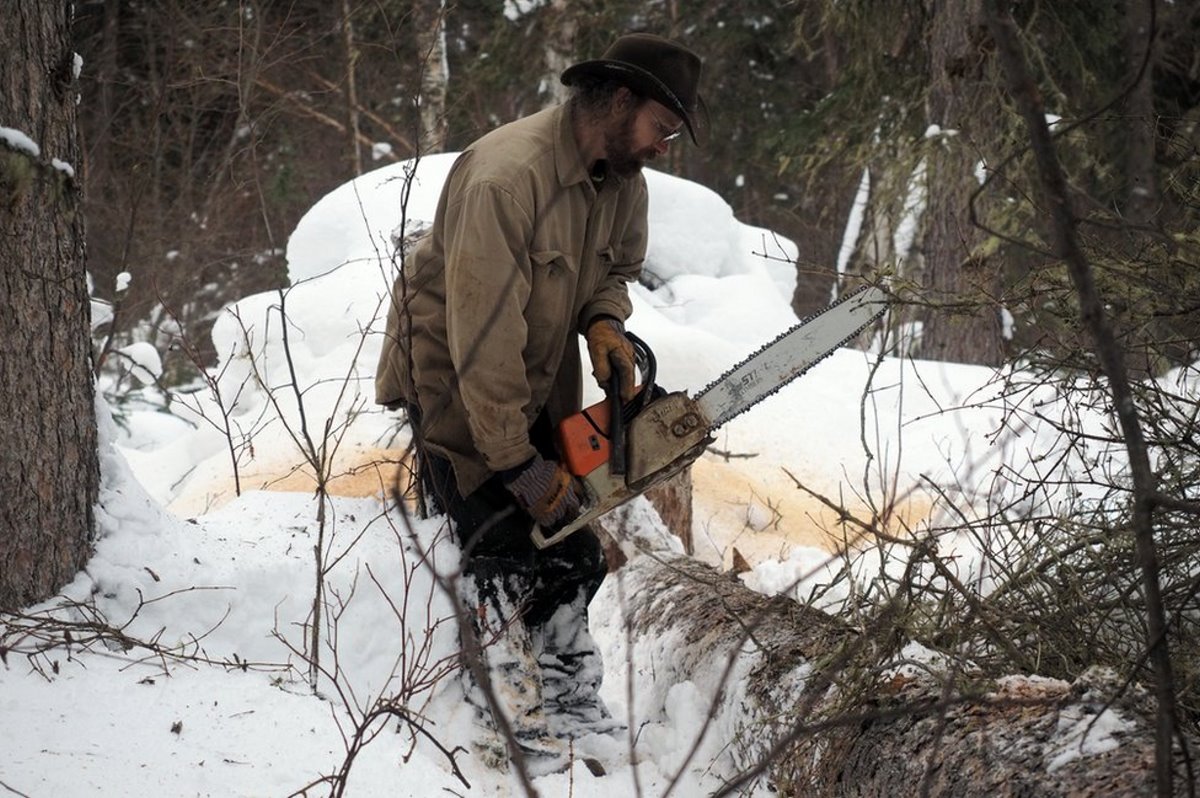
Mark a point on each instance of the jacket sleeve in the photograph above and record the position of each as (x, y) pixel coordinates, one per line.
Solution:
(611, 297)
(488, 283)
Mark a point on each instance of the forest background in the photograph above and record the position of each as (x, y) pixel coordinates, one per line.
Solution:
(212, 126)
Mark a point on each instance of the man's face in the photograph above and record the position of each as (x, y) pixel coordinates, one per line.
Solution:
(639, 135)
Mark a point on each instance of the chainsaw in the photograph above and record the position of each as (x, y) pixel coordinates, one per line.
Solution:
(620, 450)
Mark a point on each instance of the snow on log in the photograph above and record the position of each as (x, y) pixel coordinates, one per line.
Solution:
(777, 672)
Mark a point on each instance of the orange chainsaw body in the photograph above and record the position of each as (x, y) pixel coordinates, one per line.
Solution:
(583, 439)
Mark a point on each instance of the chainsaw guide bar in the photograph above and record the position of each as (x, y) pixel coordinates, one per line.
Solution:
(790, 355)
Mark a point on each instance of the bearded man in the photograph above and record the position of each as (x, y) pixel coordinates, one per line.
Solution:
(540, 227)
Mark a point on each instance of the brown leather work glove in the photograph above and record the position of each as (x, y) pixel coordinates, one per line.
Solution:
(545, 490)
(609, 348)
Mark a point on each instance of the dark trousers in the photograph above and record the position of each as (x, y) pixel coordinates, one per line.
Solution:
(494, 533)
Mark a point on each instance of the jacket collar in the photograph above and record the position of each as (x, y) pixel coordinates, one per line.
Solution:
(568, 160)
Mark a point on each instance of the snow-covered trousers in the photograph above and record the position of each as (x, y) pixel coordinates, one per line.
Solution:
(494, 531)
(494, 534)
(528, 607)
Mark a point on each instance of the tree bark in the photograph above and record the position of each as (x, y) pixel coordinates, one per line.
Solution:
(48, 461)
(430, 20)
(352, 127)
(559, 51)
(1142, 197)
(963, 322)
(935, 734)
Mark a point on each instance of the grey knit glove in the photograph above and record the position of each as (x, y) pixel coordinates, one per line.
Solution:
(545, 490)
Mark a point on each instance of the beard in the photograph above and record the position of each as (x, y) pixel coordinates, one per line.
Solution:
(622, 159)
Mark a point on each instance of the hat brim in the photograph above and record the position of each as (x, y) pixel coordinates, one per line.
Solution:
(647, 85)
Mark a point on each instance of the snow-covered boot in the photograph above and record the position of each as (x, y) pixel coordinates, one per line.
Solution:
(571, 672)
(506, 657)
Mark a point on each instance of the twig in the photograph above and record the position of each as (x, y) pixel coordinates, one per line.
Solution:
(13, 790)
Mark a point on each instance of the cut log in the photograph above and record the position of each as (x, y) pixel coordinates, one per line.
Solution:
(672, 500)
(934, 732)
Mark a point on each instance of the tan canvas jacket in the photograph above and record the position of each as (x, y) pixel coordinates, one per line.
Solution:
(524, 251)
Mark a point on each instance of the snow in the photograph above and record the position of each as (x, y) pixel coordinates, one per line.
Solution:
(144, 359)
(19, 141)
(981, 172)
(858, 210)
(223, 583)
(1082, 732)
(915, 201)
(936, 131)
(63, 167)
(102, 312)
(515, 9)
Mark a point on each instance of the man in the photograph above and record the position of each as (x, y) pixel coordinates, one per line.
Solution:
(540, 227)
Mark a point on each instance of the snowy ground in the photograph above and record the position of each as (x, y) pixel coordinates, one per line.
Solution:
(212, 576)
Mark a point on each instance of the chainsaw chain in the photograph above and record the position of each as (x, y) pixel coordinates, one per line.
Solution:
(844, 298)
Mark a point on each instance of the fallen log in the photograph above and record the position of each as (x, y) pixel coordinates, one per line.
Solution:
(788, 680)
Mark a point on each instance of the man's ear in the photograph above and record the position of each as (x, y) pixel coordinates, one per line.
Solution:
(623, 100)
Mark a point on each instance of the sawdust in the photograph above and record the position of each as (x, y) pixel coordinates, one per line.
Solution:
(358, 471)
(758, 511)
(768, 515)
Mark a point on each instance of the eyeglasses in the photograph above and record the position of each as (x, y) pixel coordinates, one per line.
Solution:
(665, 133)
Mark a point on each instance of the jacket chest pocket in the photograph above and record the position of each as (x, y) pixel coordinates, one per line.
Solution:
(555, 284)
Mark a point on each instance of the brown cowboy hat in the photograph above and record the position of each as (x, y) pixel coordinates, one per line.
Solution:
(653, 67)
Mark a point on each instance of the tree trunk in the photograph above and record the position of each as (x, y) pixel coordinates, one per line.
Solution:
(921, 732)
(559, 51)
(430, 21)
(1142, 198)
(106, 78)
(48, 460)
(352, 126)
(963, 321)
